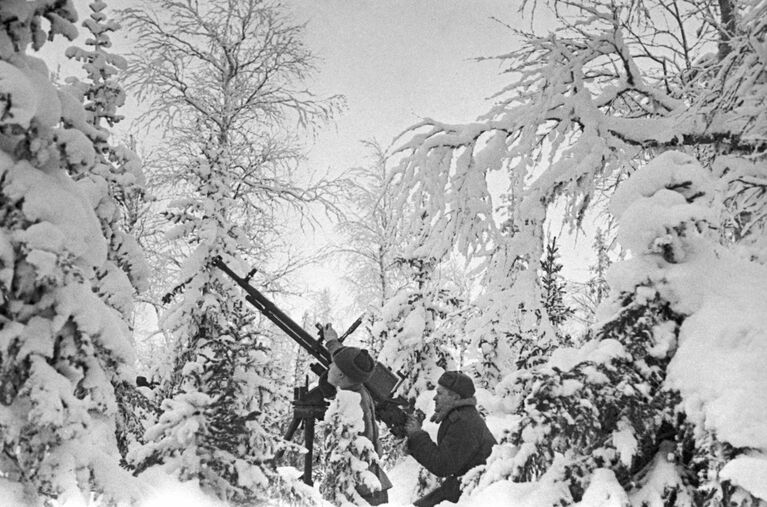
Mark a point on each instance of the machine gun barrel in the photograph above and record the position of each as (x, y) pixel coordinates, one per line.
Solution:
(278, 317)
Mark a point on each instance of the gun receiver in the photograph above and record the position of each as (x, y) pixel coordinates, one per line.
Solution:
(382, 383)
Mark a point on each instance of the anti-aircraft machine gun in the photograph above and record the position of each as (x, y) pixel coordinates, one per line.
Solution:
(310, 404)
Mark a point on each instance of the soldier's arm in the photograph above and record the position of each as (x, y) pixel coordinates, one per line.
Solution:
(331, 339)
(447, 458)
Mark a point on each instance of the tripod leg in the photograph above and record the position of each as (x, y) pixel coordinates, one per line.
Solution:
(289, 435)
(309, 442)
(292, 427)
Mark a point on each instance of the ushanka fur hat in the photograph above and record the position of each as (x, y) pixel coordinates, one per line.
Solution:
(458, 382)
(355, 363)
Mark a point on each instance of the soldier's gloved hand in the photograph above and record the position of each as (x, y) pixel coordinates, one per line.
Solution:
(329, 333)
(412, 425)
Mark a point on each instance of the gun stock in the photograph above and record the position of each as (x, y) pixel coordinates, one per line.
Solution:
(381, 384)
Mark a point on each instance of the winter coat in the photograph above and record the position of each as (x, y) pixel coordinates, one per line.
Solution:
(370, 431)
(368, 416)
(463, 442)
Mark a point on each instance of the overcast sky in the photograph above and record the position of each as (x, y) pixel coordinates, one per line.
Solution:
(397, 61)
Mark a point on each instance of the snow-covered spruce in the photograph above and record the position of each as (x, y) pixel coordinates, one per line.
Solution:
(539, 327)
(348, 454)
(118, 170)
(511, 327)
(553, 286)
(219, 439)
(662, 405)
(63, 344)
(587, 299)
(414, 322)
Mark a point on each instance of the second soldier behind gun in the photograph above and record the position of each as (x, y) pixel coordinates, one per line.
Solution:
(350, 368)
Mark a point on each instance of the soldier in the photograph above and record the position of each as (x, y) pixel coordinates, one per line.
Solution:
(350, 368)
(463, 439)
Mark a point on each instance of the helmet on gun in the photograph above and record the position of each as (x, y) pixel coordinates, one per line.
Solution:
(355, 363)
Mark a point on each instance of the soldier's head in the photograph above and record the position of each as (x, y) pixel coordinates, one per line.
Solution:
(453, 386)
(351, 366)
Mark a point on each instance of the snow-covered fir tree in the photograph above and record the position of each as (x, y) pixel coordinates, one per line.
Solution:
(553, 285)
(348, 455)
(221, 79)
(117, 167)
(64, 311)
(412, 344)
(218, 438)
(215, 424)
(598, 287)
(456, 283)
(553, 288)
(591, 294)
(510, 327)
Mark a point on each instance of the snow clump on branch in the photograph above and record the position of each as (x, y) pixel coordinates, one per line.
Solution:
(349, 455)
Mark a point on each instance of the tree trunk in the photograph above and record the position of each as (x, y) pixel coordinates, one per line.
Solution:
(727, 26)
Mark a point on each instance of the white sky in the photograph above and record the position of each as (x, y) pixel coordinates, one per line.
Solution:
(397, 61)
